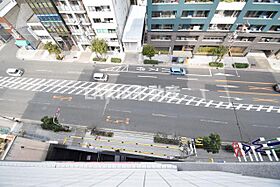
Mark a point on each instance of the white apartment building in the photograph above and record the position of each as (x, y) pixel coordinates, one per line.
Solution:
(108, 18)
(75, 16)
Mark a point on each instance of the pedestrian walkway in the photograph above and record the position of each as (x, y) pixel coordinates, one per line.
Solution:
(96, 90)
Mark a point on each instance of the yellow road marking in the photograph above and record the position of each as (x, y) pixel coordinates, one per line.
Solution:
(68, 98)
(265, 100)
(65, 140)
(245, 82)
(249, 93)
(259, 88)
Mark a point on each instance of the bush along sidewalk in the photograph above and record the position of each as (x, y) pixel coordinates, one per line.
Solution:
(116, 60)
(99, 59)
(216, 64)
(99, 132)
(151, 62)
(240, 65)
(50, 123)
(162, 138)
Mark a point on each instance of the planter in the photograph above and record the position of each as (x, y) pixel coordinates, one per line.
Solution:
(240, 65)
(216, 64)
(151, 62)
(116, 60)
(99, 59)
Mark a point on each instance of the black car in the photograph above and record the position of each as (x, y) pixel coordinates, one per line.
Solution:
(276, 87)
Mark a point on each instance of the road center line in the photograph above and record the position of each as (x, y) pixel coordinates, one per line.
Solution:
(214, 121)
(189, 79)
(245, 82)
(113, 74)
(147, 76)
(124, 111)
(163, 115)
(43, 70)
(227, 86)
(75, 72)
(249, 93)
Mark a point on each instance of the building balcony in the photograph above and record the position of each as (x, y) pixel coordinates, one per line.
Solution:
(199, 1)
(78, 9)
(6, 6)
(220, 19)
(235, 5)
(66, 9)
(266, 1)
(165, 1)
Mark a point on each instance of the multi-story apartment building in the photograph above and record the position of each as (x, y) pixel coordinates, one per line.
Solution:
(51, 20)
(74, 14)
(199, 25)
(108, 18)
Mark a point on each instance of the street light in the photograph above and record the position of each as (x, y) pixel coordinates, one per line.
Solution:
(237, 122)
(232, 39)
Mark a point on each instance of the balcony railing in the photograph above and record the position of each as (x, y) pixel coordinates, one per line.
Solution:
(199, 1)
(164, 1)
(266, 1)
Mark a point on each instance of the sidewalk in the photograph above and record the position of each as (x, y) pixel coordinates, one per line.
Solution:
(257, 62)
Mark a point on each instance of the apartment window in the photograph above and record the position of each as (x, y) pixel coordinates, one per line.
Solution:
(195, 14)
(163, 14)
(193, 27)
(97, 20)
(44, 37)
(102, 30)
(161, 37)
(244, 39)
(105, 8)
(111, 30)
(108, 20)
(186, 38)
(199, 1)
(220, 27)
(213, 38)
(37, 28)
(227, 13)
(165, 1)
(162, 27)
(266, 1)
(260, 14)
(275, 28)
(256, 28)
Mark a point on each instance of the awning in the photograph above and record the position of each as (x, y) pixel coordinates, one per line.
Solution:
(182, 54)
(22, 43)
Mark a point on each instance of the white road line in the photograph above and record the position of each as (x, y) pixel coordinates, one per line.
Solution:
(204, 90)
(75, 72)
(235, 98)
(189, 79)
(124, 111)
(214, 121)
(224, 74)
(186, 89)
(113, 74)
(227, 86)
(43, 70)
(146, 76)
(11, 100)
(163, 115)
(265, 126)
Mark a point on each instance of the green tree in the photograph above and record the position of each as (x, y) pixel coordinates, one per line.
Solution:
(219, 52)
(212, 143)
(53, 49)
(149, 51)
(99, 46)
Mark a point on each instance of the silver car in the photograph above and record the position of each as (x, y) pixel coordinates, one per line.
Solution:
(15, 72)
(100, 77)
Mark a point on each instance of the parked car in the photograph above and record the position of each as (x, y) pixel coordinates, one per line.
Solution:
(100, 77)
(15, 72)
(177, 71)
(276, 87)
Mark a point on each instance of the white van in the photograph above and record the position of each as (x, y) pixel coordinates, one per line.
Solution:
(100, 77)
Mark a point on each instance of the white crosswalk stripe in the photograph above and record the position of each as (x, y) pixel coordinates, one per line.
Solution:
(120, 91)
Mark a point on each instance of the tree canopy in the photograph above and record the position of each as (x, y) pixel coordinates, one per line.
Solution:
(99, 46)
(149, 51)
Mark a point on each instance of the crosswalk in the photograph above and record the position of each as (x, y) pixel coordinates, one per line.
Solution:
(95, 90)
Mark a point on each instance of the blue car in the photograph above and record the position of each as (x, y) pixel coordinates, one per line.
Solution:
(177, 71)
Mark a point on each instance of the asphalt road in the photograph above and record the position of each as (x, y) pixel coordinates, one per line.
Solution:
(220, 85)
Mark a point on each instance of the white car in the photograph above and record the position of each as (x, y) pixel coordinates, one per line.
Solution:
(15, 72)
(100, 77)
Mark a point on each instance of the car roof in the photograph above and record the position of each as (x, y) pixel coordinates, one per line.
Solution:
(175, 69)
(12, 69)
(98, 75)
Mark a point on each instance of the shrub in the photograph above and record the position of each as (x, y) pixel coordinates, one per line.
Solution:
(48, 124)
(163, 52)
(216, 64)
(206, 49)
(116, 60)
(240, 65)
(99, 59)
(228, 148)
(99, 132)
(58, 57)
(165, 140)
(150, 61)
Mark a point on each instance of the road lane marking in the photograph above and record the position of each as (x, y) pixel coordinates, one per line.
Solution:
(245, 82)
(11, 100)
(113, 74)
(224, 74)
(204, 90)
(260, 88)
(265, 100)
(43, 70)
(265, 126)
(75, 72)
(163, 115)
(227, 86)
(228, 97)
(116, 110)
(249, 93)
(68, 98)
(146, 76)
(214, 121)
(186, 89)
(189, 79)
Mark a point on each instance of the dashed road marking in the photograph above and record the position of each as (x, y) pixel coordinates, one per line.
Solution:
(214, 121)
(244, 82)
(249, 93)
(146, 76)
(265, 100)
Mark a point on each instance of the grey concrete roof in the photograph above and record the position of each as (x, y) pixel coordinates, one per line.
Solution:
(118, 174)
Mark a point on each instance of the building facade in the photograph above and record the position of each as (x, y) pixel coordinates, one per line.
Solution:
(196, 26)
(47, 12)
(108, 18)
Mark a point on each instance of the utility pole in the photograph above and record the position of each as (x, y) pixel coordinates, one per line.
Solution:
(237, 122)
